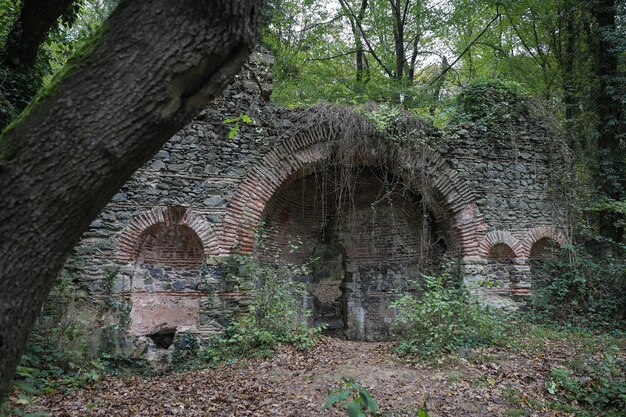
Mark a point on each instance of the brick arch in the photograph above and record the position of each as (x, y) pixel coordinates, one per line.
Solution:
(534, 235)
(299, 155)
(130, 239)
(501, 236)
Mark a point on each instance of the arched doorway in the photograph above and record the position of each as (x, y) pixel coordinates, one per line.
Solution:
(395, 206)
(366, 243)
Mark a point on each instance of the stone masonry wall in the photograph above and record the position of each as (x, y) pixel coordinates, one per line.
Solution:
(158, 252)
(516, 188)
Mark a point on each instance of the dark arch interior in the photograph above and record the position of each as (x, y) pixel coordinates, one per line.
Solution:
(367, 236)
(542, 251)
(328, 271)
(500, 268)
(174, 246)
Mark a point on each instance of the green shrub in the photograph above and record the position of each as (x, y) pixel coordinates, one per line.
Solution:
(581, 291)
(443, 320)
(488, 99)
(491, 107)
(186, 348)
(355, 398)
(358, 401)
(275, 314)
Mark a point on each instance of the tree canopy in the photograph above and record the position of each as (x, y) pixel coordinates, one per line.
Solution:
(569, 54)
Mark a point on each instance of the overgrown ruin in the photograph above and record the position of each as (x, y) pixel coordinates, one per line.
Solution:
(371, 203)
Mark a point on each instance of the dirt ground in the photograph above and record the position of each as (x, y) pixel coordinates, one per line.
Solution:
(488, 382)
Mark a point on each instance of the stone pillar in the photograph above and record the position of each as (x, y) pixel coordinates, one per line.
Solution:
(520, 278)
(221, 300)
(473, 269)
(355, 314)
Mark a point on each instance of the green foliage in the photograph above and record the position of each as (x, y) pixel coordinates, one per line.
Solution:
(358, 401)
(16, 90)
(28, 383)
(16, 87)
(597, 384)
(186, 350)
(234, 130)
(386, 120)
(355, 398)
(422, 412)
(581, 291)
(443, 320)
(602, 206)
(58, 340)
(492, 105)
(275, 314)
(314, 43)
(39, 374)
(74, 35)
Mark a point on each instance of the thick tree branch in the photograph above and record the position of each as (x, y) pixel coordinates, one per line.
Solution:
(469, 46)
(154, 66)
(30, 29)
(364, 37)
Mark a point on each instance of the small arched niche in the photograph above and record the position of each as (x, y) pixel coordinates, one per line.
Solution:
(542, 252)
(166, 279)
(500, 268)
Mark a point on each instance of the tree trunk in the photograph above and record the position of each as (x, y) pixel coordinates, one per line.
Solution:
(30, 29)
(360, 52)
(398, 36)
(154, 66)
(569, 57)
(610, 172)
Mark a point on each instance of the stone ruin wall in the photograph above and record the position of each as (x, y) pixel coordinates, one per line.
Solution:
(156, 259)
(517, 188)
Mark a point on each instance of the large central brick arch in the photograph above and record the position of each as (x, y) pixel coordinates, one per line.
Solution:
(300, 154)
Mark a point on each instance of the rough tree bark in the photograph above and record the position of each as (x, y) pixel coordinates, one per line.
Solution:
(398, 36)
(154, 66)
(356, 22)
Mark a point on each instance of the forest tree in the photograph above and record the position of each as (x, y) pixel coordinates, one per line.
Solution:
(151, 67)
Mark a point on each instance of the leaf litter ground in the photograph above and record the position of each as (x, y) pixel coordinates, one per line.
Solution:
(485, 382)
